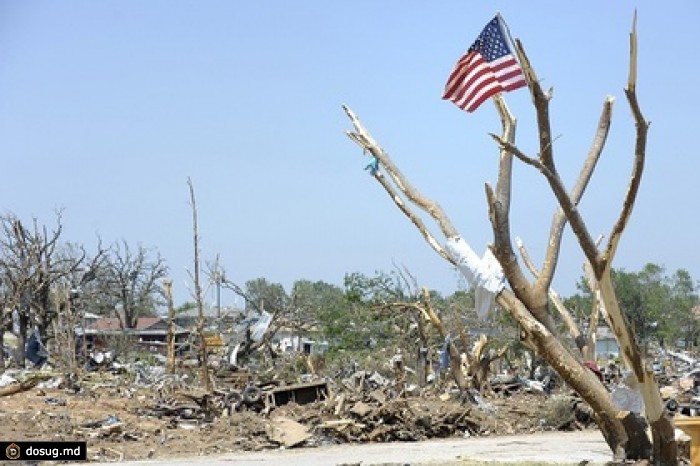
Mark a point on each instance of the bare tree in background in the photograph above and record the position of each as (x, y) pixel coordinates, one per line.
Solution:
(198, 293)
(31, 264)
(69, 296)
(127, 284)
(527, 301)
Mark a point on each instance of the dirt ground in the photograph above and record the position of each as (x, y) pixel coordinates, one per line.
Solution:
(121, 421)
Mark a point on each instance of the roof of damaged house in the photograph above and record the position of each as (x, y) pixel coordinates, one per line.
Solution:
(148, 325)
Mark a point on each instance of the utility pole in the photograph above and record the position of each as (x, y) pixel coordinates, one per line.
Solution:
(218, 294)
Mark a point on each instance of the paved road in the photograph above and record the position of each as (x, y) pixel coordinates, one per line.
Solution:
(554, 447)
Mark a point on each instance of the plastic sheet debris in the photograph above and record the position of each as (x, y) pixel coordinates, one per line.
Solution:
(35, 351)
(233, 356)
(683, 357)
(110, 420)
(258, 330)
(626, 395)
(534, 385)
(481, 403)
(97, 360)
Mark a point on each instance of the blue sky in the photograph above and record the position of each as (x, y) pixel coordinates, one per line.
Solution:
(107, 107)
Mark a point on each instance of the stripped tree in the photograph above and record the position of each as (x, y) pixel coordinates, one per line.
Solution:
(198, 294)
(600, 261)
(527, 301)
(33, 263)
(128, 283)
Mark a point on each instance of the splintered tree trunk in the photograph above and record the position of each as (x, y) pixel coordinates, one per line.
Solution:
(168, 288)
(422, 352)
(203, 351)
(455, 359)
(64, 331)
(665, 446)
(578, 377)
(477, 370)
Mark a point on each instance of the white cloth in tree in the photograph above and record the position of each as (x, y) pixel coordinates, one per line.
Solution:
(484, 274)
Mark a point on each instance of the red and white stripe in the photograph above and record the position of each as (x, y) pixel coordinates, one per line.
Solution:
(474, 80)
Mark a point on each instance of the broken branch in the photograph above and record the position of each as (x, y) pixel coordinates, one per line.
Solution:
(365, 140)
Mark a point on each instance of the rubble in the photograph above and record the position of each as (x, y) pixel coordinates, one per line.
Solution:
(120, 402)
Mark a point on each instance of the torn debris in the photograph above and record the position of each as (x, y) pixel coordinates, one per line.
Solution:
(279, 404)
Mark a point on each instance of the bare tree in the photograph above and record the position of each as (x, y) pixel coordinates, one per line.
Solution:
(198, 294)
(127, 283)
(31, 264)
(528, 302)
(69, 299)
(664, 444)
(168, 289)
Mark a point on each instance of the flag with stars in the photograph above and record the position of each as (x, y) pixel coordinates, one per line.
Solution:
(488, 68)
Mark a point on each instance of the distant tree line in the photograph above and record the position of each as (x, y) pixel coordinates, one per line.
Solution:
(381, 312)
(661, 308)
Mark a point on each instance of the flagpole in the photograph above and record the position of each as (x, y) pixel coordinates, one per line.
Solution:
(506, 29)
(516, 50)
(498, 99)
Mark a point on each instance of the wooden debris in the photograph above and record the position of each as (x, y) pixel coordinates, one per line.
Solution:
(13, 388)
(341, 424)
(361, 409)
(287, 432)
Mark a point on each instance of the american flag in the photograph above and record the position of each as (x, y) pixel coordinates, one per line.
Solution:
(488, 68)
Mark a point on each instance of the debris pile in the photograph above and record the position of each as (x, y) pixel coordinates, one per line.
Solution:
(681, 385)
(116, 405)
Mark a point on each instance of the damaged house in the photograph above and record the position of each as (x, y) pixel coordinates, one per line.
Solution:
(149, 334)
(291, 340)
